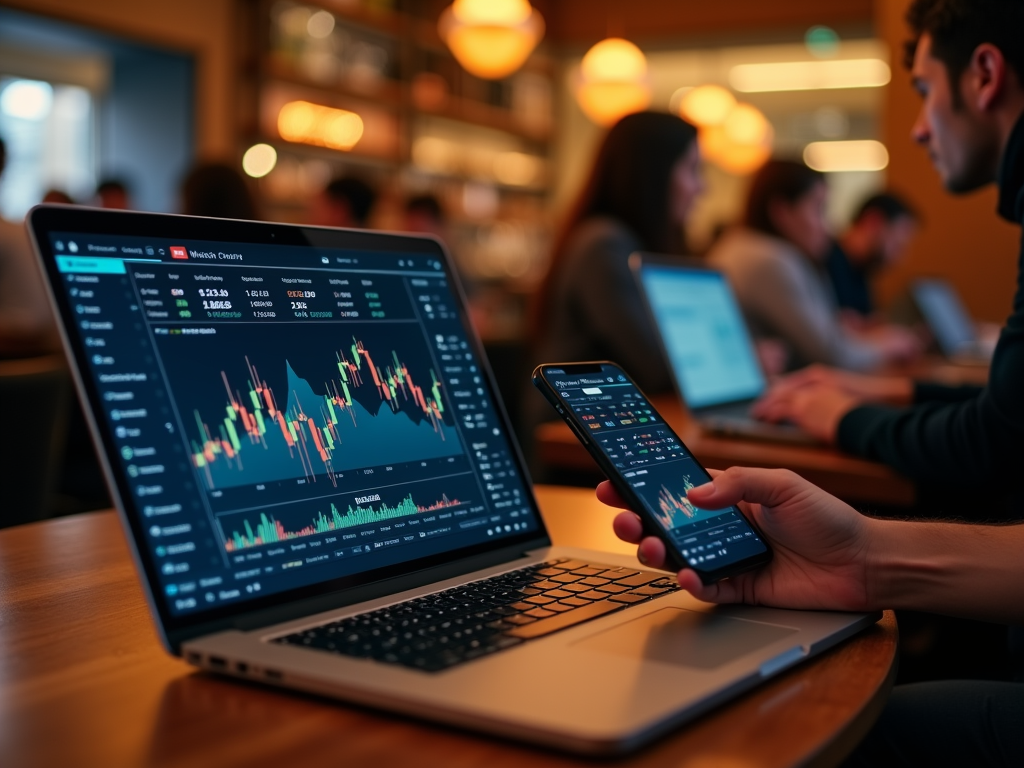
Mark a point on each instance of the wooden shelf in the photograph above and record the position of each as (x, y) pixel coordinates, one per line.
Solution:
(389, 93)
(392, 23)
(486, 116)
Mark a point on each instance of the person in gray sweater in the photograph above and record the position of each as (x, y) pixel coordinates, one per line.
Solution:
(775, 264)
(644, 182)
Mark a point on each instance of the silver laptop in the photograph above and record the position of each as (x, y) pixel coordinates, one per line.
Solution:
(707, 347)
(322, 491)
(950, 324)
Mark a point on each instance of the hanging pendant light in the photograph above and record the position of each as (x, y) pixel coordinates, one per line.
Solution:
(741, 143)
(491, 38)
(613, 81)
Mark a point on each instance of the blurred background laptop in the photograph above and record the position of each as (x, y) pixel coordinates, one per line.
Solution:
(708, 347)
(954, 330)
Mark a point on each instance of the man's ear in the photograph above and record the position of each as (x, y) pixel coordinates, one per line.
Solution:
(985, 77)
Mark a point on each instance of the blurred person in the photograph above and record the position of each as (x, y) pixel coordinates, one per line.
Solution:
(644, 182)
(968, 67)
(424, 214)
(58, 196)
(219, 191)
(113, 194)
(27, 324)
(344, 202)
(643, 185)
(876, 239)
(775, 263)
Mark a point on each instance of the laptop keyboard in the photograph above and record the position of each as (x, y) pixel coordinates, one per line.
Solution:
(441, 630)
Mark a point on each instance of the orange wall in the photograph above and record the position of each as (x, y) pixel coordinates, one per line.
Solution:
(207, 29)
(962, 239)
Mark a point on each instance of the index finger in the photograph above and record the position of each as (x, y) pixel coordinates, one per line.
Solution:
(607, 494)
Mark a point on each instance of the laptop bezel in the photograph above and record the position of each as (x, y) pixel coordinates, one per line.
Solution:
(313, 598)
(637, 261)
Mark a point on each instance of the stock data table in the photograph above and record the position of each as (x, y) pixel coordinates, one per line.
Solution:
(84, 682)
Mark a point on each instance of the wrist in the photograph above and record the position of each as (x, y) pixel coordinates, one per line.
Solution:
(900, 571)
(899, 391)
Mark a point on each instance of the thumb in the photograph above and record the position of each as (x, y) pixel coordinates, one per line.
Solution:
(768, 487)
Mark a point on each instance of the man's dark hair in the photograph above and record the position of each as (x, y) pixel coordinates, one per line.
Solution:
(426, 204)
(958, 27)
(359, 195)
(785, 180)
(891, 207)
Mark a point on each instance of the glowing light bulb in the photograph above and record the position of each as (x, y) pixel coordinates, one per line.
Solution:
(307, 123)
(491, 38)
(707, 105)
(613, 81)
(259, 160)
(741, 143)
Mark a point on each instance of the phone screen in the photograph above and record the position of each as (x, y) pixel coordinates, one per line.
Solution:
(616, 418)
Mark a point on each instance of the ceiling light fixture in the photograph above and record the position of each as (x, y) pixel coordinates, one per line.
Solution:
(259, 160)
(839, 156)
(809, 75)
(491, 38)
(307, 123)
(613, 81)
(707, 105)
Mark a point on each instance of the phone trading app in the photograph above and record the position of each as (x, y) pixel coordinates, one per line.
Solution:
(614, 415)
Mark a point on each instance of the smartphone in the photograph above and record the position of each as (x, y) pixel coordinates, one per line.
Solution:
(651, 468)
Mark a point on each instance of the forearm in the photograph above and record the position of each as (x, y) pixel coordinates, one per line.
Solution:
(971, 571)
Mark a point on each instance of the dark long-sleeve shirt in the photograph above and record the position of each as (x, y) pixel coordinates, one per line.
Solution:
(959, 436)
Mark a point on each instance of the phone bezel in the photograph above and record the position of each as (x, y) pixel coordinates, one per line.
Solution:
(651, 526)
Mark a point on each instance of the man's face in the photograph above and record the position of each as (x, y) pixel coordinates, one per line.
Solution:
(893, 240)
(959, 142)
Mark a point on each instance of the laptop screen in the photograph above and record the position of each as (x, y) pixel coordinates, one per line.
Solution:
(287, 416)
(704, 334)
(946, 317)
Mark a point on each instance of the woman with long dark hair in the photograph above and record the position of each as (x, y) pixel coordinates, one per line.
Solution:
(644, 182)
(775, 263)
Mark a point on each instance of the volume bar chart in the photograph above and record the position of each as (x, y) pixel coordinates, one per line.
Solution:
(270, 530)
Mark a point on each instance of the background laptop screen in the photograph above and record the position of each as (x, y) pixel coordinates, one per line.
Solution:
(288, 415)
(704, 333)
(945, 315)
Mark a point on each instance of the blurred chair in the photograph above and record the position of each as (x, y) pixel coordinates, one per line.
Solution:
(34, 394)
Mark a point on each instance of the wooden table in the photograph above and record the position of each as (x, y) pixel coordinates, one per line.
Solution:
(852, 479)
(83, 681)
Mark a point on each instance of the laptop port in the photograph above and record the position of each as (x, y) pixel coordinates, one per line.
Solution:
(273, 674)
(194, 658)
(216, 662)
(242, 668)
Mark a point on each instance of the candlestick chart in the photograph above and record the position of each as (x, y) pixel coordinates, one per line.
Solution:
(675, 509)
(269, 529)
(364, 408)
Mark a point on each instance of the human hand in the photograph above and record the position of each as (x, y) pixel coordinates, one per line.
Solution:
(821, 545)
(894, 390)
(817, 410)
(898, 344)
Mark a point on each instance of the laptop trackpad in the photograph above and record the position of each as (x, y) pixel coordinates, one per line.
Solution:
(687, 638)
